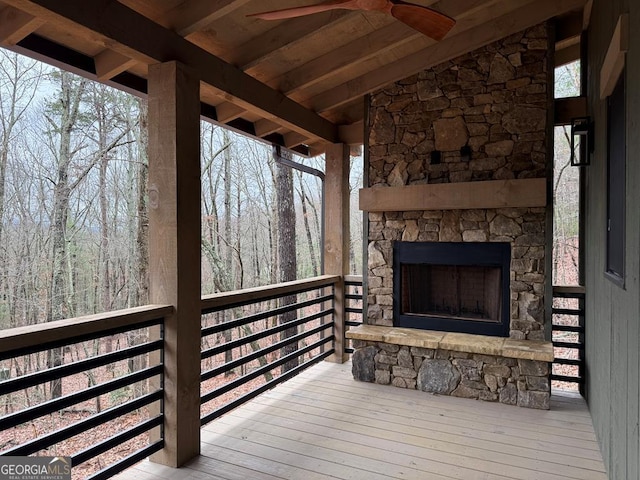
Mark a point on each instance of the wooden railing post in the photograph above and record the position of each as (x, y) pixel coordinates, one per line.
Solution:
(174, 249)
(336, 241)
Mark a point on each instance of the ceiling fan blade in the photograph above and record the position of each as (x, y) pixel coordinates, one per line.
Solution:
(300, 11)
(429, 22)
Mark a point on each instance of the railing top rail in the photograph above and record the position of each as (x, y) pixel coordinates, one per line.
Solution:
(249, 295)
(353, 278)
(43, 333)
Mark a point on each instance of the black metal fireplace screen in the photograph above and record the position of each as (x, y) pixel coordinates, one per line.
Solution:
(453, 287)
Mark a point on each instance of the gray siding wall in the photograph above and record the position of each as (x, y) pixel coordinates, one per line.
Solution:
(613, 313)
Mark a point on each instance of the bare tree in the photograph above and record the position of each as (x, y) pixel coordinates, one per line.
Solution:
(286, 249)
(304, 199)
(67, 109)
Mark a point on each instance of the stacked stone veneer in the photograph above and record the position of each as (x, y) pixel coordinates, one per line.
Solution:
(485, 377)
(495, 100)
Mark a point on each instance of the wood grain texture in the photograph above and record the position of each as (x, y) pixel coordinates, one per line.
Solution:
(568, 108)
(336, 236)
(25, 337)
(16, 25)
(174, 248)
(614, 60)
(530, 192)
(323, 424)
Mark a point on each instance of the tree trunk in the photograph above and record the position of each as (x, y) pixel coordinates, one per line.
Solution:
(228, 255)
(142, 240)
(286, 250)
(69, 105)
(307, 228)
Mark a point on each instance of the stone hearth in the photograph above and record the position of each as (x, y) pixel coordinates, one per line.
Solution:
(513, 372)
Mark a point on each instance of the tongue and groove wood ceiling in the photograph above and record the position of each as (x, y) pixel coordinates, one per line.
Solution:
(300, 82)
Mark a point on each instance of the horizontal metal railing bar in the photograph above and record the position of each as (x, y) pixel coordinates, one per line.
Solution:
(353, 310)
(115, 440)
(17, 418)
(34, 338)
(238, 322)
(571, 292)
(567, 378)
(263, 388)
(207, 397)
(568, 291)
(262, 334)
(567, 311)
(567, 361)
(26, 381)
(238, 298)
(77, 428)
(351, 296)
(262, 352)
(573, 345)
(127, 462)
(568, 328)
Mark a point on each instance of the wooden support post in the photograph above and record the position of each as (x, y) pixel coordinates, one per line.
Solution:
(174, 249)
(336, 241)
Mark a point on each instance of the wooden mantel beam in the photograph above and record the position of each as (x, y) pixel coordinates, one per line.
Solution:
(518, 193)
(131, 34)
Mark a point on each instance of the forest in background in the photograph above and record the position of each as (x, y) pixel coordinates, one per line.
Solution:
(73, 221)
(566, 188)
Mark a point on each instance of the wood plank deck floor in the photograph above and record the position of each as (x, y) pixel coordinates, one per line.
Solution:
(322, 424)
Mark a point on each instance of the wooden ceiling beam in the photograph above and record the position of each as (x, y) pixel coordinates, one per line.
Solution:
(110, 63)
(369, 46)
(16, 25)
(567, 55)
(532, 13)
(225, 112)
(567, 108)
(293, 139)
(569, 26)
(284, 36)
(114, 25)
(194, 15)
(266, 127)
(185, 19)
(352, 134)
(357, 51)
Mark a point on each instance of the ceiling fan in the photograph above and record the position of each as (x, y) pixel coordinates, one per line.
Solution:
(423, 19)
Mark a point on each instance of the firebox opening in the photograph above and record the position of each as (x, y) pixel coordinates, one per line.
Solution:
(453, 287)
(456, 291)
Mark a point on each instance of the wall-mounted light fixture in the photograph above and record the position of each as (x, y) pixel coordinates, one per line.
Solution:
(465, 153)
(581, 141)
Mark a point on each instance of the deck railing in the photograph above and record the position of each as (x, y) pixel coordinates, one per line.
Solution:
(568, 335)
(567, 328)
(353, 309)
(253, 339)
(111, 365)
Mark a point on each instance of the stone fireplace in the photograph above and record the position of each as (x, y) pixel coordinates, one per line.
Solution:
(458, 157)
